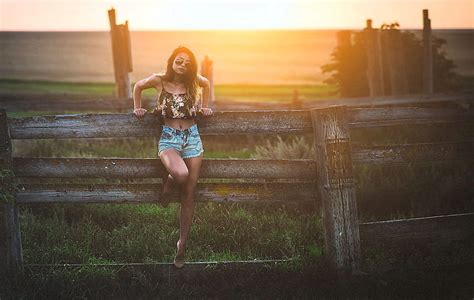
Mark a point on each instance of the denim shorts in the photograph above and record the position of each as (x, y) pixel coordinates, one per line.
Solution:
(187, 142)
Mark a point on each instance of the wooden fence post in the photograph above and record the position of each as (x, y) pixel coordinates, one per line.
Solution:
(121, 51)
(344, 46)
(296, 102)
(427, 55)
(395, 53)
(207, 71)
(335, 181)
(10, 243)
(374, 61)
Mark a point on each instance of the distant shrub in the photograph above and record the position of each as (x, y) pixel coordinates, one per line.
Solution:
(348, 65)
(292, 148)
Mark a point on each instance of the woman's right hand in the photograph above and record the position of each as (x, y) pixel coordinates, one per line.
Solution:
(139, 112)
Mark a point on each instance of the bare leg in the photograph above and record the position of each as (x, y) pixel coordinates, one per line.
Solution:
(187, 207)
(177, 171)
(168, 185)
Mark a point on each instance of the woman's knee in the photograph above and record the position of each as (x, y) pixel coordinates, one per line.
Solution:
(181, 176)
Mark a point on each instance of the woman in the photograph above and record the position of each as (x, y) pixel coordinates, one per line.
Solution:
(180, 147)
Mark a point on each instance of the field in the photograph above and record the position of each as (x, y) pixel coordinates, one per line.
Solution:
(107, 234)
(225, 92)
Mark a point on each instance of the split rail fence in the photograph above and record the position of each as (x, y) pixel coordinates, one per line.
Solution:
(328, 179)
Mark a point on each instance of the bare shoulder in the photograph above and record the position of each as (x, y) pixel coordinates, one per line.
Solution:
(152, 81)
(158, 80)
(203, 81)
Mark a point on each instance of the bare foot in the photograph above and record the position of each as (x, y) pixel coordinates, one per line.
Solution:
(179, 258)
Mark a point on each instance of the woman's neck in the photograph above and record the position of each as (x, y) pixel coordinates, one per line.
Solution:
(177, 79)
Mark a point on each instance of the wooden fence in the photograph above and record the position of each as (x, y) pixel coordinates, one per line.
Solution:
(58, 103)
(328, 179)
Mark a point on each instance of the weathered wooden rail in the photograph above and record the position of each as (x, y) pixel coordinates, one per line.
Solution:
(60, 103)
(327, 179)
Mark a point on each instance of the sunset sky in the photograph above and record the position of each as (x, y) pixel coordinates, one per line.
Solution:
(59, 15)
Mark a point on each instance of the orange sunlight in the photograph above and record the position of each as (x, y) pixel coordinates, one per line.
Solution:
(59, 15)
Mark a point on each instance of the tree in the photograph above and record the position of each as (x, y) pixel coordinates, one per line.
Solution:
(348, 66)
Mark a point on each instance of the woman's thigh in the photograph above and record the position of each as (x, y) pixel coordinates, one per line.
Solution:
(194, 167)
(174, 163)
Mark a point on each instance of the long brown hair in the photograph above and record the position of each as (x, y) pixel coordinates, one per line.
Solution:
(190, 77)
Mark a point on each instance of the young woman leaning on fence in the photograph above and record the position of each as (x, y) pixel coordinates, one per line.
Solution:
(180, 147)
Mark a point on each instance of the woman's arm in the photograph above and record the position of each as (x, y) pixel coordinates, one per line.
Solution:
(143, 84)
(205, 84)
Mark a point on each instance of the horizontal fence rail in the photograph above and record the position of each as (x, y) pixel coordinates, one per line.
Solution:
(234, 168)
(438, 228)
(35, 102)
(140, 193)
(28, 102)
(255, 122)
(327, 180)
(393, 116)
(420, 152)
(151, 167)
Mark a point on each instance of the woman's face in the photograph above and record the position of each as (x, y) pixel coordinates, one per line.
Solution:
(181, 63)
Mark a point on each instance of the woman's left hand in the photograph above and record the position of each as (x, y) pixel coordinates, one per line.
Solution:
(206, 111)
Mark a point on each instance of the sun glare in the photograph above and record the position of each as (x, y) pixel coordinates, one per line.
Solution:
(59, 15)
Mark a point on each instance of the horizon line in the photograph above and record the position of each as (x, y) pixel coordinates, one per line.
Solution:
(229, 29)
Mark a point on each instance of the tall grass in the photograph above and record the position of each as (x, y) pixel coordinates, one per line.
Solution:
(148, 233)
(398, 190)
(296, 148)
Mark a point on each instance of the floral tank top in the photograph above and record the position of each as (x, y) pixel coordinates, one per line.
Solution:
(176, 106)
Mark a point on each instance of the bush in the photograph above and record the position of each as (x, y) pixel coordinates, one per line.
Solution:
(348, 66)
(291, 148)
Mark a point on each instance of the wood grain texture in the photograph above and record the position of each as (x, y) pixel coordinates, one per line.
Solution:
(142, 193)
(223, 123)
(151, 167)
(335, 182)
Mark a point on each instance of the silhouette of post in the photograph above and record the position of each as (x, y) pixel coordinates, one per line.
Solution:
(122, 56)
(344, 38)
(427, 55)
(344, 46)
(374, 61)
(207, 71)
(296, 102)
(395, 61)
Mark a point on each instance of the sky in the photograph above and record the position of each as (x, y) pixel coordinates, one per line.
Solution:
(91, 15)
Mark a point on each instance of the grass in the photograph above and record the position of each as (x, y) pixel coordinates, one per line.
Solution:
(106, 233)
(53, 87)
(56, 234)
(276, 93)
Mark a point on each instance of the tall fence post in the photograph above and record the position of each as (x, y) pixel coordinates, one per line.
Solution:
(10, 238)
(427, 55)
(207, 71)
(374, 61)
(395, 63)
(121, 52)
(335, 182)
(344, 46)
(296, 102)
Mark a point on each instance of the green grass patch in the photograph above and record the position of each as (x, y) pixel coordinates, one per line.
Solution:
(106, 233)
(240, 92)
(56, 87)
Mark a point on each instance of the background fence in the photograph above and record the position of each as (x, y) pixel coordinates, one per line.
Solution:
(328, 179)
